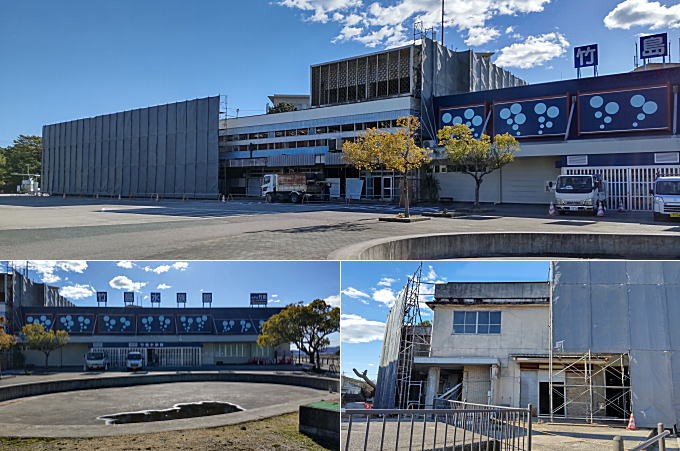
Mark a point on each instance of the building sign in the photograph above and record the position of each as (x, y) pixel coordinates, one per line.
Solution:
(585, 56)
(258, 298)
(155, 324)
(155, 298)
(181, 298)
(75, 323)
(207, 298)
(473, 116)
(195, 324)
(239, 326)
(654, 45)
(128, 297)
(102, 297)
(46, 321)
(625, 110)
(116, 324)
(532, 117)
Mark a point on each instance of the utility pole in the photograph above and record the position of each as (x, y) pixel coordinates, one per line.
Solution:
(442, 23)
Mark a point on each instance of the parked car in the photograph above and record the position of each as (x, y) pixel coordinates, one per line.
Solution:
(134, 361)
(666, 192)
(96, 360)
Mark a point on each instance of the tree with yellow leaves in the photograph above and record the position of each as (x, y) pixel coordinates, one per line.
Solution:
(396, 151)
(476, 157)
(45, 341)
(6, 340)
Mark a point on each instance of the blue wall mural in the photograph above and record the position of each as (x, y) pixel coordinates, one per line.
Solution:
(155, 324)
(116, 324)
(473, 116)
(238, 326)
(75, 324)
(526, 118)
(194, 323)
(47, 321)
(627, 110)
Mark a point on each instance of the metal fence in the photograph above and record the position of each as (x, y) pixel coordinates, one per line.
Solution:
(465, 427)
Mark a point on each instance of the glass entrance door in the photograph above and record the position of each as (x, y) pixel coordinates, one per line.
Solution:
(387, 188)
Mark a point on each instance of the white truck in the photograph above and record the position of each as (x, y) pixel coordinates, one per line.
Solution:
(666, 192)
(294, 187)
(579, 193)
(96, 360)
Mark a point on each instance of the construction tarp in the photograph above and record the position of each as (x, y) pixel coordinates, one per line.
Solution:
(626, 307)
(386, 387)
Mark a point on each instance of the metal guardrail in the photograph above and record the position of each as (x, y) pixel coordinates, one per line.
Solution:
(657, 442)
(485, 428)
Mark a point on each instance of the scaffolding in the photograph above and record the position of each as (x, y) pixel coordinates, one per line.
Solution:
(414, 341)
(590, 386)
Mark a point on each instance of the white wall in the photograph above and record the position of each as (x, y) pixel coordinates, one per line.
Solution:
(70, 355)
(522, 181)
(524, 330)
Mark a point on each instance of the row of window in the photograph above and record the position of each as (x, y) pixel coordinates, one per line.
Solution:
(471, 322)
(241, 350)
(359, 126)
(332, 144)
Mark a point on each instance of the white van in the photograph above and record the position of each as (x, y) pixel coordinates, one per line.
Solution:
(666, 192)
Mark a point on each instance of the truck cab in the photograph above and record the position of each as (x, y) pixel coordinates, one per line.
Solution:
(294, 187)
(666, 192)
(579, 193)
(134, 361)
(96, 360)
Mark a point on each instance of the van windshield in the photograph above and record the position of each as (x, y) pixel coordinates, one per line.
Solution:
(574, 184)
(95, 356)
(134, 356)
(668, 187)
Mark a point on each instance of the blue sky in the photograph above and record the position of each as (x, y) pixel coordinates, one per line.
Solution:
(230, 282)
(369, 290)
(66, 60)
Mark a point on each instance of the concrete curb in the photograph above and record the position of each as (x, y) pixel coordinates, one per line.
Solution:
(515, 244)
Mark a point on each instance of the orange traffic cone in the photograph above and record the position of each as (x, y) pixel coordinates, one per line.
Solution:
(631, 423)
(551, 210)
(600, 209)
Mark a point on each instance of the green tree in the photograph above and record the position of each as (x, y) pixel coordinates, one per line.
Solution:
(281, 107)
(38, 339)
(425, 323)
(23, 156)
(7, 341)
(306, 326)
(476, 157)
(393, 150)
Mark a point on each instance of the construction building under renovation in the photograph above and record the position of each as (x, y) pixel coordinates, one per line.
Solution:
(594, 342)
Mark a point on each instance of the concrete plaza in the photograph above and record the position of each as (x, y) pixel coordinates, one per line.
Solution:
(86, 228)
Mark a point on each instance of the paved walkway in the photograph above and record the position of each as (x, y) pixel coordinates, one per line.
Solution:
(54, 228)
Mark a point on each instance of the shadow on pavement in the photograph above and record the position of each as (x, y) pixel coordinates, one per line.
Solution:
(609, 436)
(572, 223)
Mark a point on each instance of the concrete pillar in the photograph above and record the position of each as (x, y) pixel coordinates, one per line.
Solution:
(432, 386)
(494, 384)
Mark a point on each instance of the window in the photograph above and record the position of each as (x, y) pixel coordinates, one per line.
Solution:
(477, 322)
(348, 127)
(233, 349)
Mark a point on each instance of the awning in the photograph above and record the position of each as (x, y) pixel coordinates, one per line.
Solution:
(436, 361)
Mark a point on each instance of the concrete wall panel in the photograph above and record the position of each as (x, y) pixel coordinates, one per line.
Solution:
(170, 149)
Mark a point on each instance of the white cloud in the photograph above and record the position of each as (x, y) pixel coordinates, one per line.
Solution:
(354, 293)
(77, 291)
(643, 13)
(386, 282)
(124, 283)
(162, 286)
(356, 329)
(47, 268)
(127, 264)
(509, 30)
(160, 269)
(275, 296)
(390, 23)
(481, 35)
(534, 51)
(385, 296)
(333, 300)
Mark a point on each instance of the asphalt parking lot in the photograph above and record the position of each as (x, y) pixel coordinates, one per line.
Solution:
(86, 228)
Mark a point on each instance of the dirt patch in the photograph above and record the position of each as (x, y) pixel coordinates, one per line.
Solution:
(277, 433)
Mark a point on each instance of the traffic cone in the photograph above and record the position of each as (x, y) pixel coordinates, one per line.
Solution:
(551, 210)
(118, 196)
(631, 423)
(600, 209)
(63, 196)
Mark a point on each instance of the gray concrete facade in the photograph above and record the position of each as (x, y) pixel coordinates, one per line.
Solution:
(170, 150)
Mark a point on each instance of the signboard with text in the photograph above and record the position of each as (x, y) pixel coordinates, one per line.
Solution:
(258, 298)
(654, 45)
(585, 56)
